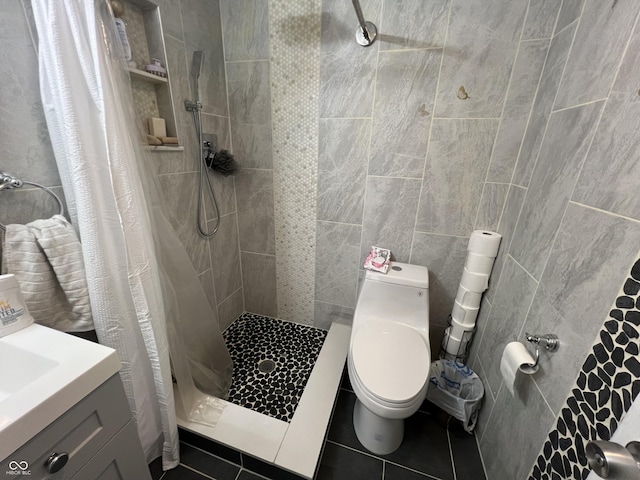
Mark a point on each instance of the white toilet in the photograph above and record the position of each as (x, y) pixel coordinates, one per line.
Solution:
(389, 355)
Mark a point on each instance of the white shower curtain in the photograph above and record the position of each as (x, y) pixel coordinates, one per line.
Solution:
(139, 285)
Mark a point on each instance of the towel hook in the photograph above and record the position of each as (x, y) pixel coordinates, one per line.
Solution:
(8, 181)
(549, 342)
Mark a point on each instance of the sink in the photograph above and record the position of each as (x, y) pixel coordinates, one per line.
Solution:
(43, 373)
(31, 367)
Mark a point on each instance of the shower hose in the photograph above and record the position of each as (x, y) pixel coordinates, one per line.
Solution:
(204, 178)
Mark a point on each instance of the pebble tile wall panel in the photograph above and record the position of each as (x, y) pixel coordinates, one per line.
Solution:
(607, 384)
(294, 29)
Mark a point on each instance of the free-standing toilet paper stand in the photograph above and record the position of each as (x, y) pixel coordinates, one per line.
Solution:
(549, 342)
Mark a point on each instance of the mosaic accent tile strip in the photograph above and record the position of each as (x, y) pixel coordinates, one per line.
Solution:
(257, 344)
(294, 38)
(609, 381)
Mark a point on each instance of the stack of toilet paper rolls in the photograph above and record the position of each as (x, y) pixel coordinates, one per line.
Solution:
(481, 253)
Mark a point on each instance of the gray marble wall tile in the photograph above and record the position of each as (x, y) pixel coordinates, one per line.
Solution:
(609, 177)
(203, 32)
(436, 334)
(470, 50)
(588, 262)
(568, 137)
(26, 148)
(554, 64)
(413, 24)
(180, 197)
(168, 162)
(507, 226)
(569, 13)
(181, 91)
(522, 91)
(324, 314)
(405, 90)
(337, 262)
(389, 215)
(171, 17)
(594, 59)
(529, 421)
(27, 204)
(230, 308)
(206, 280)
(259, 278)
(342, 169)
(491, 205)
(250, 108)
(508, 314)
(627, 78)
(254, 196)
(225, 257)
(457, 163)
(347, 71)
(541, 19)
(245, 27)
(444, 256)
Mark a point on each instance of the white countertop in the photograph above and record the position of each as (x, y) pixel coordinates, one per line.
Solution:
(52, 372)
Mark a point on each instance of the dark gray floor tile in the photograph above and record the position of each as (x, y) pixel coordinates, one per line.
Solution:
(340, 463)
(425, 447)
(346, 383)
(267, 470)
(155, 468)
(183, 473)
(395, 472)
(207, 464)
(341, 430)
(246, 475)
(210, 446)
(466, 458)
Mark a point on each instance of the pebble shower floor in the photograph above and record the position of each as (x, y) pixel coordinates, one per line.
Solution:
(272, 361)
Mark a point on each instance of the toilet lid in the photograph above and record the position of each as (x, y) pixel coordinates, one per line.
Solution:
(391, 360)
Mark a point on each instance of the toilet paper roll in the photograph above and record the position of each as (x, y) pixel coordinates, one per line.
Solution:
(453, 344)
(515, 358)
(464, 316)
(474, 282)
(467, 298)
(484, 242)
(479, 263)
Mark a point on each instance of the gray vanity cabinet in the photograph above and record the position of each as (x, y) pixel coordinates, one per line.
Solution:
(98, 437)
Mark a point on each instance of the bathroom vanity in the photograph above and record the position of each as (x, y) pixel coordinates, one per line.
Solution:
(63, 410)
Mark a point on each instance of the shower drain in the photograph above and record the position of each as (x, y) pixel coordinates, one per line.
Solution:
(266, 366)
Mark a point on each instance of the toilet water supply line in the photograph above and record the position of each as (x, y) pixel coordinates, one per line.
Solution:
(195, 108)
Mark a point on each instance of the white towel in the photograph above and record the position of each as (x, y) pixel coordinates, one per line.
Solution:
(46, 258)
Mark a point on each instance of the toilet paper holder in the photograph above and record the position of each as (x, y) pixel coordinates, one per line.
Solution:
(549, 342)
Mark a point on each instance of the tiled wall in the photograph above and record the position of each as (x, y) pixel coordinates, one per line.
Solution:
(27, 153)
(570, 227)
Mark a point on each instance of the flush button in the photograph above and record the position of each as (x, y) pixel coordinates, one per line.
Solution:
(396, 268)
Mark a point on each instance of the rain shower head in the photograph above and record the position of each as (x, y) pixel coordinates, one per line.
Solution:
(196, 70)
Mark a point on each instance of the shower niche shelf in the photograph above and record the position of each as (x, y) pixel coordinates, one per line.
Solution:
(145, 76)
(151, 93)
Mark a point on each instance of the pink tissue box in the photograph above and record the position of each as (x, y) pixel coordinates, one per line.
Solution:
(378, 260)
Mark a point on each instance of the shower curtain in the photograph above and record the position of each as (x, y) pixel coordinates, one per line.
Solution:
(144, 292)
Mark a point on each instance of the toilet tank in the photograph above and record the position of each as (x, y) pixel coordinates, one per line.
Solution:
(401, 295)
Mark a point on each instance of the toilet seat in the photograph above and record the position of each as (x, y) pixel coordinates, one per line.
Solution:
(391, 361)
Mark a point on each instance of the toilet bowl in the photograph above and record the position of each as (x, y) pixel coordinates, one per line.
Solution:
(389, 355)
